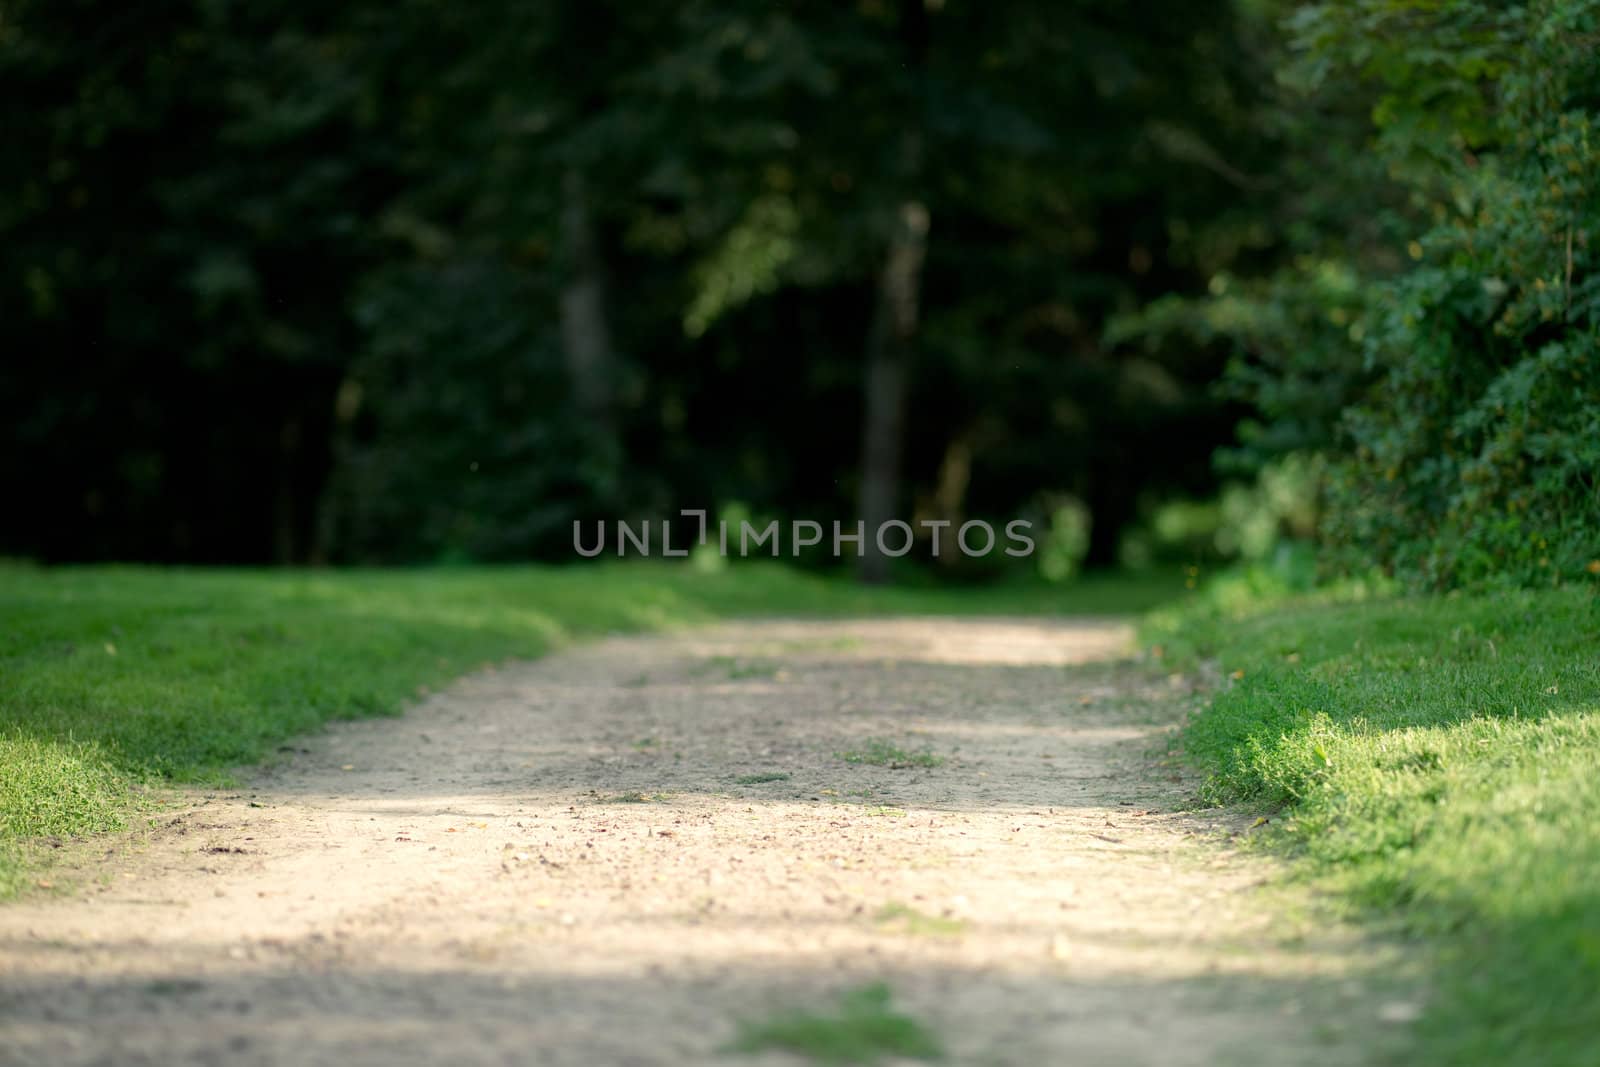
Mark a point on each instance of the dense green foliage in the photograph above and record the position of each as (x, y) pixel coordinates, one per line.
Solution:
(1434, 763)
(385, 283)
(1477, 447)
(120, 676)
(307, 282)
(1440, 335)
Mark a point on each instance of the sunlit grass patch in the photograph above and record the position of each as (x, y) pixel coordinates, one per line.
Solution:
(47, 787)
(1434, 763)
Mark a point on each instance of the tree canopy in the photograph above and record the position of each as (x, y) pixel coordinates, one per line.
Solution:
(406, 283)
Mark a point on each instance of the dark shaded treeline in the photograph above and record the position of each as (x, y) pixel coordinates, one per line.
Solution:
(306, 282)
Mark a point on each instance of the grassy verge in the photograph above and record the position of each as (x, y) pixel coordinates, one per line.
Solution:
(1436, 764)
(116, 678)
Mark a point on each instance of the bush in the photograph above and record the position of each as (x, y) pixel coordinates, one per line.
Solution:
(1438, 338)
(1249, 522)
(1475, 451)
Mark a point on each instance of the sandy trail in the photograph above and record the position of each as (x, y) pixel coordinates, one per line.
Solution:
(613, 855)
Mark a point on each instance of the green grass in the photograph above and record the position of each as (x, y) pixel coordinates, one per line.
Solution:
(635, 796)
(1434, 763)
(864, 1030)
(736, 670)
(878, 753)
(116, 678)
(762, 778)
(903, 918)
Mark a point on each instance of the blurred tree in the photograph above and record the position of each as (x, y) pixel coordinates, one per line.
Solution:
(181, 192)
(402, 282)
(1045, 220)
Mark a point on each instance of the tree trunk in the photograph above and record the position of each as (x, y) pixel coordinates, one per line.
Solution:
(1112, 506)
(332, 500)
(585, 334)
(889, 350)
(895, 321)
(284, 542)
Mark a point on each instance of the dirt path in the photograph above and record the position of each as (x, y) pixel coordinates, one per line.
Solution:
(613, 855)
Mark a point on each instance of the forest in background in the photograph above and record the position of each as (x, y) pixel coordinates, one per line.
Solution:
(402, 283)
